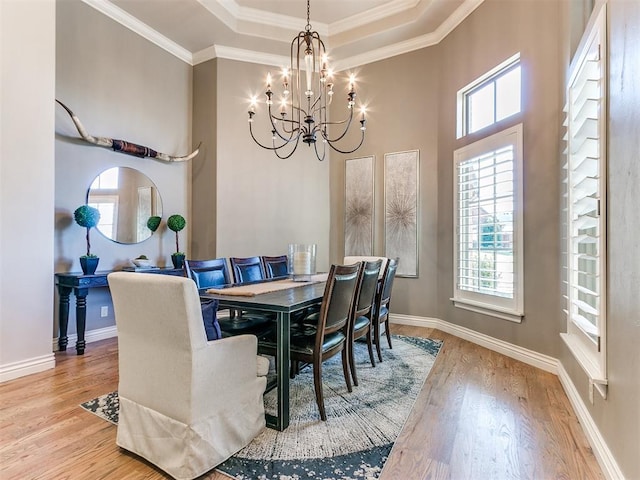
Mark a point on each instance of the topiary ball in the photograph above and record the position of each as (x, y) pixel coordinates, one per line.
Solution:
(153, 223)
(176, 223)
(86, 216)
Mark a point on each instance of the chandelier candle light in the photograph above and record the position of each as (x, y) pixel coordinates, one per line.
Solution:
(303, 109)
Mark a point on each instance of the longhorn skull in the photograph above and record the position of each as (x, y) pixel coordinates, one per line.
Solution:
(123, 146)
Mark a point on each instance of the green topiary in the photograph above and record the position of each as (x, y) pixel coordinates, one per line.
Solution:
(176, 223)
(153, 223)
(87, 217)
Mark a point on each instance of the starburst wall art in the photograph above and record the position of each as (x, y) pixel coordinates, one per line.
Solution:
(401, 210)
(358, 211)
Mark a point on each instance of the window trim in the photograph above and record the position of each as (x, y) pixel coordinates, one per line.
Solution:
(462, 95)
(507, 309)
(591, 355)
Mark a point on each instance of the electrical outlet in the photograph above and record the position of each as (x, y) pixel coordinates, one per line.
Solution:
(104, 311)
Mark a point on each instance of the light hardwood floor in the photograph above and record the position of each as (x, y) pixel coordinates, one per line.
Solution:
(479, 416)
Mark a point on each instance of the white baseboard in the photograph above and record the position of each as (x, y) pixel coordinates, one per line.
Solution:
(600, 449)
(606, 460)
(26, 367)
(89, 336)
(535, 359)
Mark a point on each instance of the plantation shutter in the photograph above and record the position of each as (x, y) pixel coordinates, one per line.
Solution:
(485, 223)
(586, 174)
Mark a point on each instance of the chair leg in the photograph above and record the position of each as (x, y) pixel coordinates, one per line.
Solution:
(294, 368)
(317, 383)
(352, 363)
(388, 332)
(345, 368)
(370, 347)
(377, 340)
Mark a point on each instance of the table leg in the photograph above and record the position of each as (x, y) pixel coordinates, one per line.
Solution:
(81, 318)
(63, 316)
(281, 422)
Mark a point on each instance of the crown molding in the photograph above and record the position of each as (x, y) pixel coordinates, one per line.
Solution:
(233, 11)
(242, 55)
(123, 18)
(423, 41)
(379, 13)
(387, 52)
(234, 16)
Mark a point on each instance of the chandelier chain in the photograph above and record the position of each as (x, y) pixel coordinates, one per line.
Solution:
(308, 26)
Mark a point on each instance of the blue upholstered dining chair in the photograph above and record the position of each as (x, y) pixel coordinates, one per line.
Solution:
(275, 267)
(247, 269)
(208, 273)
(214, 273)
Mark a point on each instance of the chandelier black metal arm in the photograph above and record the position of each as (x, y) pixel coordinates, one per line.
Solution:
(273, 148)
(307, 92)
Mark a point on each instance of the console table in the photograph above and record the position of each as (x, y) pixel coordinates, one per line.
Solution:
(80, 285)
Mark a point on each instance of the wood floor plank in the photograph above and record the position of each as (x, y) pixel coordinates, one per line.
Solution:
(479, 416)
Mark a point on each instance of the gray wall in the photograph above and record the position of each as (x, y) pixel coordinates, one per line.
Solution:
(263, 202)
(120, 86)
(491, 34)
(402, 93)
(203, 173)
(27, 37)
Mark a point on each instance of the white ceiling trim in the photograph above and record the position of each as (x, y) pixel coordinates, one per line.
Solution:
(423, 41)
(117, 14)
(232, 53)
(235, 13)
(379, 13)
(232, 15)
(123, 18)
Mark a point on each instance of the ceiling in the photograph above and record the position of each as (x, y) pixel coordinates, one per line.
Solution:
(355, 31)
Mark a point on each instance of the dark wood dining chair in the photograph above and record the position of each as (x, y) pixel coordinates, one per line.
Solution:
(383, 299)
(247, 269)
(275, 267)
(361, 324)
(315, 343)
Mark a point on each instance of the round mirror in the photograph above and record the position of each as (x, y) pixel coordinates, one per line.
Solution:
(126, 198)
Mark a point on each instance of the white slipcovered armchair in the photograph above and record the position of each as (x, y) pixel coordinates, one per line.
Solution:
(186, 404)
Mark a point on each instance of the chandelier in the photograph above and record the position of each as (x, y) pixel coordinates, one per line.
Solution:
(307, 92)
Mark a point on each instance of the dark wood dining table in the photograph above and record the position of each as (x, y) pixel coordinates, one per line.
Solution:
(283, 303)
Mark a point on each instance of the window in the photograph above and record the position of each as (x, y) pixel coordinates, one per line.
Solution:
(488, 221)
(585, 181)
(107, 202)
(491, 98)
(107, 205)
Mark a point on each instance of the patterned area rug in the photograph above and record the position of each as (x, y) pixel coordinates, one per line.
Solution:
(361, 426)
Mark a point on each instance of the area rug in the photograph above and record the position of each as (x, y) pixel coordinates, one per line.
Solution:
(361, 426)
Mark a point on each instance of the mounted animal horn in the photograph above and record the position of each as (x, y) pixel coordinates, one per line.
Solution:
(124, 146)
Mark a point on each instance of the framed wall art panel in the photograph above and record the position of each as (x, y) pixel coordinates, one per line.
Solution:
(401, 193)
(358, 208)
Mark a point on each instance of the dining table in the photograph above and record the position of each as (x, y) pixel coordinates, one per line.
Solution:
(284, 298)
